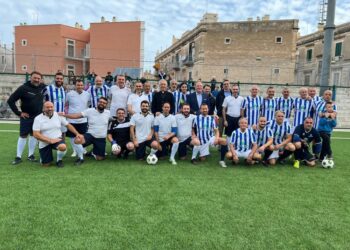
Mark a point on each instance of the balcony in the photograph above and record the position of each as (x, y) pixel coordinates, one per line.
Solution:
(176, 66)
(188, 61)
(72, 53)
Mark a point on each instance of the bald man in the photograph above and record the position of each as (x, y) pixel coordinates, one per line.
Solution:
(47, 129)
(97, 91)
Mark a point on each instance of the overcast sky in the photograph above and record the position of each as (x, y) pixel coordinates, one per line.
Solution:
(163, 19)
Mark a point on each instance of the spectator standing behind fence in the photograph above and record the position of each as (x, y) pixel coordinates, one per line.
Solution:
(31, 98)
(109, 79)
(119, 94)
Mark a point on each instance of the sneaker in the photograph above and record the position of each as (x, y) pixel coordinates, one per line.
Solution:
(194, 162)
(173, 162)
(16, 161)
(60, 164)
(223, 164)
(265, 163)
(89, 154)
(282, 162)
(296, 164)
(32, 158)
(78, 162)
(74, 154)
(85, 151)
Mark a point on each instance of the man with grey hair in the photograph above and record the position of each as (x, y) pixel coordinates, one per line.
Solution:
(161, 97)
(302, 107)
(97, 91)
(197, 98)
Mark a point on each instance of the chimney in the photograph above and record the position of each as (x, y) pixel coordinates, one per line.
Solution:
(250, 19)
(258, 18)
(320, 27)
(103, 19)
(81, 26)
(266, 18)
(76, 25)
(114, 19)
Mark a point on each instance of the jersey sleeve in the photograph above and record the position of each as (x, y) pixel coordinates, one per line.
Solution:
(253, 137)
(36, 124)
(156, 121)
(224, 104)
(132, 121)
(86, 113)
(269, 133)
(63, 121)
(173, 122)
(244, 103)
(233, 137)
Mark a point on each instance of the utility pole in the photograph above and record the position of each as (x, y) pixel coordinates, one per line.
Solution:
(327, 46)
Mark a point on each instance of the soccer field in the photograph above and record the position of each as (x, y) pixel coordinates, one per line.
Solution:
(125, 204)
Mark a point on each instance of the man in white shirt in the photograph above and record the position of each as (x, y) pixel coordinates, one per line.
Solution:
(184, 122)
(77, 101)
(135, 99)
(165, 130)
(231, 111)
(118, 95)
(47, 129)
(97, 119)
(141, 131)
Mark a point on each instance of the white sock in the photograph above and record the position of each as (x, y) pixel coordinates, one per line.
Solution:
(21, 143)
(72, 143)
(60, 155)
(153, 151)
(195, 151)
(174, 150)
(80, 150)
(31, 145)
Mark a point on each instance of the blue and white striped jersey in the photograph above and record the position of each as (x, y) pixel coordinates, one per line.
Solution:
(268, 108)
(205, 126)
(243, 141)
(57, 96)
(302, 109)
(179, 99)
(97, 93)
(279, 131)
(321, 107)
(285, 105)
(252, 108)
(262, 136)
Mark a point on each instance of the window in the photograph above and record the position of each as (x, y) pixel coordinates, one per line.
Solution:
(189, 75)
(276, 71)
(70, 69)
(309, 55)
(338, 48)
(70, 48)
(225, 71)
(24, 42)
(3, 60)
(227, 40)
(336, 78)
(24, 67)
(307, 79)
(278, 39)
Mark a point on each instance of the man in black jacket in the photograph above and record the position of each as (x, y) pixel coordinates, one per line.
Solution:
(161, 97)
(196, 99)
(31, 96)
(211, 99)
(226, 91)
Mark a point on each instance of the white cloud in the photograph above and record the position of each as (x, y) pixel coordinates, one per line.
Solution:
(163, 19)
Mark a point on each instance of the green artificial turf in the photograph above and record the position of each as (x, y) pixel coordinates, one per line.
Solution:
(125, 204)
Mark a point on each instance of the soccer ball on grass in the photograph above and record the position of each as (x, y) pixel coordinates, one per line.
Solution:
(152, 159)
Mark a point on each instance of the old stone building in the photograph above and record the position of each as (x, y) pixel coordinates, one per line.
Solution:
(309, 57)
(259, 51)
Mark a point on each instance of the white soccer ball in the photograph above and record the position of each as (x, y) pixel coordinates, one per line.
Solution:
(152, 159)
(328, 163)
(116, 149)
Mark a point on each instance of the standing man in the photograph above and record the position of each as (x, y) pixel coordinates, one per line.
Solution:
(77, 101)
(312, 94)
(97, 129)
(180, 97)
(135, 99)
(173, 86)
(206, 131)
(147, 91)
(304, 135)
(231, 111)
(165, 130)
(320, 107)
(225, 92)
(211, 99)
(47, 129)
(56, 94)
(184, 122)
(97, 91)
(119, 94)
(162, 97)
(119, 133)
(302, 107)
(285, 103)
(269, 105)
(109, 79)
(196, 99)
(31, 98)
(141, 132)
(251, 106)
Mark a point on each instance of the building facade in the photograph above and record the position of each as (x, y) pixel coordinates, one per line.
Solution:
(261, 51)
(104, 47)
(309, 57)
(6, 59)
